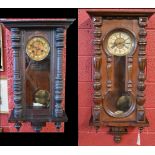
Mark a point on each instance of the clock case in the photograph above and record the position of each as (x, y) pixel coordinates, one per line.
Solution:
(54, 31)
(114, 76)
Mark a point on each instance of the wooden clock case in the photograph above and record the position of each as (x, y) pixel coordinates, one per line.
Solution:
(47, 74)
(117, 76)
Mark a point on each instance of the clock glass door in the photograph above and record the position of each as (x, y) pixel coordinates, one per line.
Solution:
(119, 44)
(37, 72)
(120, 98)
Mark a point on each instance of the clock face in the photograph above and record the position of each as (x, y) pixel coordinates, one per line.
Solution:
(120, 43)
(37, 48)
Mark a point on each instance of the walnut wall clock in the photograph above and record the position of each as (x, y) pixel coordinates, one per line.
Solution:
(119, 70)
(38, 52)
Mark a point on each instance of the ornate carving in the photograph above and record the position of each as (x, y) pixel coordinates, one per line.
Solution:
(97, 75)
(17, 78)
(109, 73)
(24, 93)
(59, 80)
(97, 22)
(130, 60)
(142, 63)
(118, 131)
(37, 126)
(120, 80)
(18, 126)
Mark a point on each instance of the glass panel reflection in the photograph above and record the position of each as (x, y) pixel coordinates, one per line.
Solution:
(37, 82)
(119, 101)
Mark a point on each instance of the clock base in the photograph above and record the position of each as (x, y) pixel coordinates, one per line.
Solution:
(37, 121)
(119, 128)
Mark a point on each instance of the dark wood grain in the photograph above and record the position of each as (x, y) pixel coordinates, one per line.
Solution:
(36, 23)
(31, 76)
(116, 77)
(17, 76)
(97, 99)
(120, 13)
(142, 64)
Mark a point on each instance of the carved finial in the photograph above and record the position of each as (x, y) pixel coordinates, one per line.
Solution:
(117, 138)
(141, 129)
(18, 126)
(94, 19)
(58, 126)
(117, 132)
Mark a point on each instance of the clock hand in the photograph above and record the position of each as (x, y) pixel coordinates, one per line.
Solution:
(114, 45)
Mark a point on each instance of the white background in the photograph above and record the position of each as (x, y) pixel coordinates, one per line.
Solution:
(78, 3)
(4, 96)
(74, 150)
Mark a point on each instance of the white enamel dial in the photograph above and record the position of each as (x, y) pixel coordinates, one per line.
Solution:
(119, 43)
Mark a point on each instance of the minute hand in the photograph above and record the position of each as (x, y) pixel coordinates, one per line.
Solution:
(115, 44)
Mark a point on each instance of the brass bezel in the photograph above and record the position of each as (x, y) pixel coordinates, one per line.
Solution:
(44, 40)
(129, 32)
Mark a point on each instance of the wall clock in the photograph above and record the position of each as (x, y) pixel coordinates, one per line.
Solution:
(119, 70)
(38, 53)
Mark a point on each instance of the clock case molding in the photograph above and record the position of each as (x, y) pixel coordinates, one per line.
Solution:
(104, 22)
(38, 116)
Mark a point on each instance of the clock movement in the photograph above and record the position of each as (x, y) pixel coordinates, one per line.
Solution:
(39, 76)
(119, 70)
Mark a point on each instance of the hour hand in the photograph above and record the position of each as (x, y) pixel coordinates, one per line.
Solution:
(113, 46)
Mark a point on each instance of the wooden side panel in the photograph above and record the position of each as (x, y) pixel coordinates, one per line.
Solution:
(17, 76)
(59, 76)
(97, 98)
(142, 64)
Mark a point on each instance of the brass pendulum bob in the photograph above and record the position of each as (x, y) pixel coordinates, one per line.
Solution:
(42, 97)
